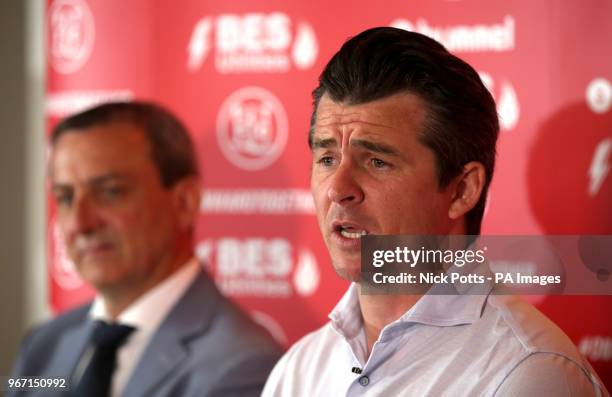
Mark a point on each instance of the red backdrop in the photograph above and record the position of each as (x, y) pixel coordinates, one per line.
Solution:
(240, 74)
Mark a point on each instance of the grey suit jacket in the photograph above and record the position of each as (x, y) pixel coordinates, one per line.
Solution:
(205, 347)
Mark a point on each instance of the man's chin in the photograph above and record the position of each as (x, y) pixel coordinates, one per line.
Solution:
(349, 273)
(98, 274)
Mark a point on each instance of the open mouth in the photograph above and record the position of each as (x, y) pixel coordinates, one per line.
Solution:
(350, 231)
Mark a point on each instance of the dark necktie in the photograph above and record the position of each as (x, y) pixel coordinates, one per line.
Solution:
(105, 341)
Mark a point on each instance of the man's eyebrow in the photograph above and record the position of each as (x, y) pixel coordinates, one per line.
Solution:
(324, 143)
(57, 187)
(111, 177)
(374, 147)
(95, 181)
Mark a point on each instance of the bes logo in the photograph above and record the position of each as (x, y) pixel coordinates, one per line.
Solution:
(252, 128)
(252, 42)
(261, 267)
(71, 34)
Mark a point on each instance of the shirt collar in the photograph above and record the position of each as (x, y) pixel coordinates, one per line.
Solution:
(148, 311)
(446, 310)
(430, 309)
(346, 316)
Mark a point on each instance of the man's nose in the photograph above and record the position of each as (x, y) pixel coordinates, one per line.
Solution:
(345, 188)
(84, 216)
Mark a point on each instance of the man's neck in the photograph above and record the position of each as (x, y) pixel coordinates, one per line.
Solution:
(379, 310)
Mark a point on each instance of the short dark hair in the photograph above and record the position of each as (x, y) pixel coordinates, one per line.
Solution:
(461, 124)
(172, 150)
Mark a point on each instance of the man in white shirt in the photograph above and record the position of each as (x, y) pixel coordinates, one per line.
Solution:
(403, 139)
(125, 182)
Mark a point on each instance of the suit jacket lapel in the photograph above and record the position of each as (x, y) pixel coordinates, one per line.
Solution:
(70, 348)
(168, 347)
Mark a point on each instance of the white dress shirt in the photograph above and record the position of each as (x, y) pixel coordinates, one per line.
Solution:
(145, 314)
(445, 345)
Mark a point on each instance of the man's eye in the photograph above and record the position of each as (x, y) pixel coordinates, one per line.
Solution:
(112, 192)
(378, 163)
(326, 161)
(63, 200)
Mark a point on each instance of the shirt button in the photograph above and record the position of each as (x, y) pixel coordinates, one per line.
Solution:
(364, 381)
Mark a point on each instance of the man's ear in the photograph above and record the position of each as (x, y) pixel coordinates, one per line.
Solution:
(186, 196)
(468, 189)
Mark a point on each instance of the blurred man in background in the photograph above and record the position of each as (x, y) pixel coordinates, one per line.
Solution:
(125, 180)
(403, 139)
